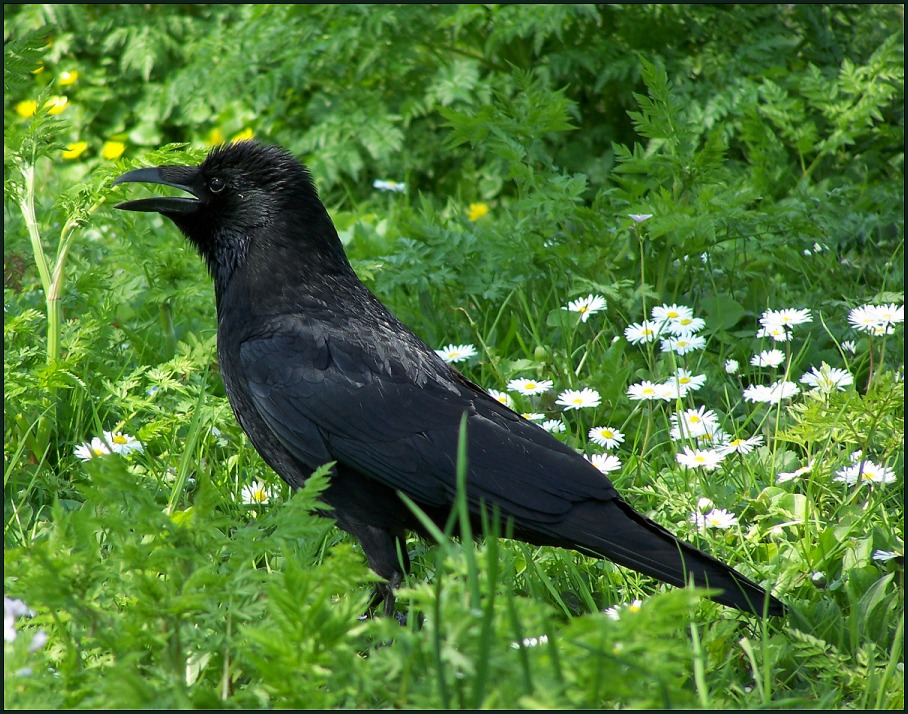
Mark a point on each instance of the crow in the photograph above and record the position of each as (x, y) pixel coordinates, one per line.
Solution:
(317, 370)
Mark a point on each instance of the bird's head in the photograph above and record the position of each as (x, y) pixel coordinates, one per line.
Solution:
(242, 194)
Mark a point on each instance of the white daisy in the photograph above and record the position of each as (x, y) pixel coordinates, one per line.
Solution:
(605, 436)
(121, 443)
(578, 398)
(553, 426)
(530, 386)
(531, 642)
(864, 318)
(533, 416)
(683, 343)
(684, 381)
(768, 358)
(731, 366)
(257, 493)
(865, 472)
(639, 217)
(586, 306)
(891, 314)
(92, 449)
(640, 332)
(643, 390)
(791, 475)
(502, 397)
(788, 318)
(706, 459)
(396, 186)
(456, 353)
(672, 391)
(606, 463)
(692, 423)
(671, 313)
(877, 319)
(772, 394)
(685, 325)
(714, 437)
(849, 346)
(716, 518)
(743, 446)
(776, 332)
(615, 611)
(827, 378)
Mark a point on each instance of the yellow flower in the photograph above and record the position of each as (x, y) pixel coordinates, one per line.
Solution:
(57, 104)
(215, 136)
(74, 151)
(244, 135)
(39, 70)
(478, 210)
(27, 108)
(67, 78)
(113, 149)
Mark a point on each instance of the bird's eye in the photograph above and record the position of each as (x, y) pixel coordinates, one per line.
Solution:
(216, 184)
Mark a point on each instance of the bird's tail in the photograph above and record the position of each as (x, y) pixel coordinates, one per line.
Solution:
(632, 540)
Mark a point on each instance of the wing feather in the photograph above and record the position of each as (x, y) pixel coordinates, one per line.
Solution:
(396, 419)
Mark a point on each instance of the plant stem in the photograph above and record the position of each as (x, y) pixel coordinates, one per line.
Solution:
(27, 206)
(51, 277)
(642, 271)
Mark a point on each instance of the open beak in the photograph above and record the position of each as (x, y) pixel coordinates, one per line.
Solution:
(185, 178)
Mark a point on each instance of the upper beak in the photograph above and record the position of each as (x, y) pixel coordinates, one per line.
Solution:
(185, 178)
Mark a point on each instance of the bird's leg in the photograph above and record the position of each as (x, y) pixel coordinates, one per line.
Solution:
(382, 548)
(383, 595)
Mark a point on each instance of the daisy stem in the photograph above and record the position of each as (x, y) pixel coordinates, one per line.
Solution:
(870, 367)
(642, 271)
(649, 423)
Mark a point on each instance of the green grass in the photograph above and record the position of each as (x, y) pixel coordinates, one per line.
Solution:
(769, 154)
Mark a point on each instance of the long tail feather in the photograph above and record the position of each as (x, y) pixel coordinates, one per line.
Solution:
(632, 540)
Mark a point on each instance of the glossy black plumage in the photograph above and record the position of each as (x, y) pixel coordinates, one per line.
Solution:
(317, 370)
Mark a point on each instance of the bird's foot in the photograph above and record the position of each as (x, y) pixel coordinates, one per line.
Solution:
(383, 603)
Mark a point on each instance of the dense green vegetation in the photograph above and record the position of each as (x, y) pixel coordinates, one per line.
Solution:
(487, 167)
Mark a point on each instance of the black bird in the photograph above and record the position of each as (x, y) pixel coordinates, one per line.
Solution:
(318, 370)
